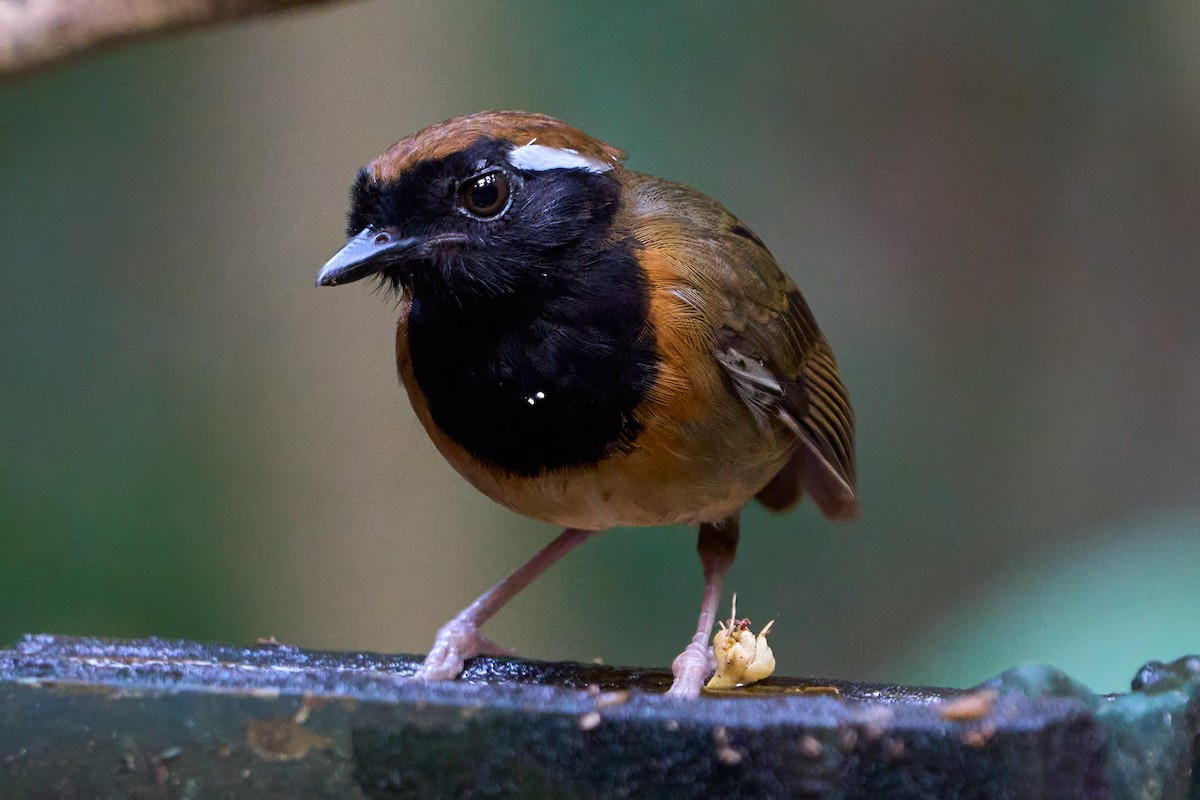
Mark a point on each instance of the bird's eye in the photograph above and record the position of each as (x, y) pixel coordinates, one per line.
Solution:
(486, 196)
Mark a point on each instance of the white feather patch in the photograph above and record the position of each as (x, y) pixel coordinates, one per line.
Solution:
(755, 385)
(538, 158)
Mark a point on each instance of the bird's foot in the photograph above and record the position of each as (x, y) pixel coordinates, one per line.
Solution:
(691, 667)
(457, 641)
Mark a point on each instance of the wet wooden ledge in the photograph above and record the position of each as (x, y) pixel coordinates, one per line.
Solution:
(83, 717)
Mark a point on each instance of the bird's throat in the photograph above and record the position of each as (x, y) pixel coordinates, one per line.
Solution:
(532, 383)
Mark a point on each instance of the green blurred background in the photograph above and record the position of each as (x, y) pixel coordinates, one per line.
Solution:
(994, 213)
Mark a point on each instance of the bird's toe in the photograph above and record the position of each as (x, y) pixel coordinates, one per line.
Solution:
(455, 643)
(690, 668)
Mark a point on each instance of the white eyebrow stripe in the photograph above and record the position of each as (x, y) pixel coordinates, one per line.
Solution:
(539, 157)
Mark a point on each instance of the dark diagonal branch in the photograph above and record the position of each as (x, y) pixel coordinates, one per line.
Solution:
(35, 34)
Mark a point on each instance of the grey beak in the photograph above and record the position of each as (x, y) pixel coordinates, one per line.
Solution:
(367, 253)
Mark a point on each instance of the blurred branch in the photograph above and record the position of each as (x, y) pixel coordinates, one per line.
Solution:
(35, 34)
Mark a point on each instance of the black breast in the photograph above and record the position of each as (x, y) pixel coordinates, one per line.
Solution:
(540, 381)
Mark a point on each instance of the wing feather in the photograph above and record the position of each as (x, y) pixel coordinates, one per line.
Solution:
(767, 341)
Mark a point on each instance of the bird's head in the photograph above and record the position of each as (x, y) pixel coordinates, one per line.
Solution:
(479, 206)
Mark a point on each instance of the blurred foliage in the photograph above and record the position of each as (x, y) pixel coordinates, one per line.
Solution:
(1087, 606)
(115, 493)
(992, 212)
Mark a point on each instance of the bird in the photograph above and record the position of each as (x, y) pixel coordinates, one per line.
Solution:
(594, 347)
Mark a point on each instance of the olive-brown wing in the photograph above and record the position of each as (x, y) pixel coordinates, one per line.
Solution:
(764, 336)
(770, 323)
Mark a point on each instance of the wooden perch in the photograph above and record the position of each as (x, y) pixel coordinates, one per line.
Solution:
(97, 718)
(35, 34)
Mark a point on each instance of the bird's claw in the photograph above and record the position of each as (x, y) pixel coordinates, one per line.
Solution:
(457, 641)
(691, 667)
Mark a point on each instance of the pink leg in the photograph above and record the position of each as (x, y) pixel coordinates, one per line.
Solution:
(459, 639)
(717, 547)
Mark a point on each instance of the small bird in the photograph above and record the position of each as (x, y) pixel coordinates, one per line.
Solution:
(594, 347)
